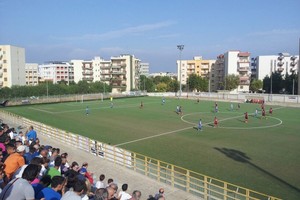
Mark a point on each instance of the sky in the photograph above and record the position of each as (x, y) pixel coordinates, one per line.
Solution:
(61, 30)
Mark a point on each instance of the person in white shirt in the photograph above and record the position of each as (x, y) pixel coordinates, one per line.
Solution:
(123, 195)
(100, 183)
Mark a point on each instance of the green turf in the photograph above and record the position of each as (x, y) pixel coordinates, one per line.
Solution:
(261, 155)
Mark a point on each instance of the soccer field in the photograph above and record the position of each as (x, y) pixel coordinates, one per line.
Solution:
(261, 155)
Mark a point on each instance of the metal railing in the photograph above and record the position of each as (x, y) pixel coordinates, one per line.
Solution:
(200, 185)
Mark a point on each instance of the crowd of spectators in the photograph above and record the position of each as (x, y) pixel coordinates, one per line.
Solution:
(31, 170)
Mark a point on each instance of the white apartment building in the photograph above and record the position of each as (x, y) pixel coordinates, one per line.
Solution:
(144, 70)
(169, 74)
(124, 73)
(238, 63)
(56, 71)
(12, 66)
(283, 63)
(121, 72)
(32, 73)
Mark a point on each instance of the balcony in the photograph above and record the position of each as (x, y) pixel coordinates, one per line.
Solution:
(243, 69)
(105, 67)
(87, 73)
(115, 66)
(293, 63)
(105, 78)
(244, 82)
(118, 72)
(87, 78)
(292, 70)
(244, 78)
(87, 67)
(280, 63)
(1, 83)
(280, 69)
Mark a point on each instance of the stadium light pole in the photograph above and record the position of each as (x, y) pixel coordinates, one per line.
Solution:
(180, 47)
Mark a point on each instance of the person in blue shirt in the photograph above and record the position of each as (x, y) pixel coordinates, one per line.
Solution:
(200, 125)
(31, 135)
(87, 110)
(57, 184)
(163, 101)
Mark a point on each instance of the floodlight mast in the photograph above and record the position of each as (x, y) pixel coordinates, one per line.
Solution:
(180, 47)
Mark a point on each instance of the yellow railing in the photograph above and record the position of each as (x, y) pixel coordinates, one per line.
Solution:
(203, 186)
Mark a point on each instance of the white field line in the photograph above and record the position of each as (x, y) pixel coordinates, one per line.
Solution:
(178, 130)
(41, 110)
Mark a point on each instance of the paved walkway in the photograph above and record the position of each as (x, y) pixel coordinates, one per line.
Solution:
(120, 174)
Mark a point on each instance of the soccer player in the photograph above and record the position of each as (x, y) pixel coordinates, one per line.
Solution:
(163, 101)
(142, 105)
(271, 111)
(239, 106)
(246, 117)
(256, 112)
(111, 104)
(180, 110)
(200, 125)
(87, 110)
(263, 114)
(198, 100)
(216, 108)
(177, 109)
(231, 107)
(216, 122)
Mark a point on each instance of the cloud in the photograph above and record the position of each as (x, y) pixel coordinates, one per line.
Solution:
(275, 32)
(135, 30)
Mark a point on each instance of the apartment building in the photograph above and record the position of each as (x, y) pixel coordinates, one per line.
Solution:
(12, 66)
(32, 74)
(238, 63)
(124, 73)
(56, 72)
(144, 70)
(217, 74)
(283, 63)
(196, 66)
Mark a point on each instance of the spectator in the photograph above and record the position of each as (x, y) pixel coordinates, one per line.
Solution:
(53, 171)
(54, 154)
(53, 193)
(113, 186)
(64, 167)
(123, 195)
(85, 172)
(136, 195)
(30, 155)
(79, 188)
(101, 194)
(160, 193)
(20, 188)
(3, 179)
(100, 183)
(111, 193)
(31, 135)
(3, 135)
(44, 182)
(74, 171)
(10, 149)
(109, 181)
(14, 161)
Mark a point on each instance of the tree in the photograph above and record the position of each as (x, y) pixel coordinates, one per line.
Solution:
(161, 87)
(193, 81)
(256, 85)
(231, 82)
(173, 86)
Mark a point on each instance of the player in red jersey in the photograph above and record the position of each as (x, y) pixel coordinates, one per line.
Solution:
(271, 111)
(246, 117)
(216, 122)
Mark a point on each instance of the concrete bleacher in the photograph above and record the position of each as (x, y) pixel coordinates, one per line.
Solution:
(120, 174)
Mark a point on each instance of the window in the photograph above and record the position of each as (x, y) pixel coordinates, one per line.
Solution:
(4, 61)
